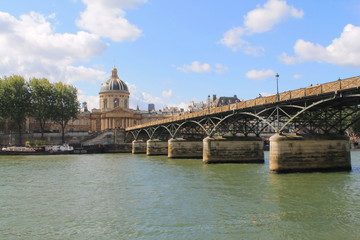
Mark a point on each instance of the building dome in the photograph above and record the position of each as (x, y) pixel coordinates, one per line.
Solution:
(114, 93)
(114, 84)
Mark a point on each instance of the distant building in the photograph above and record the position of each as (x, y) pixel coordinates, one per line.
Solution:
(113, 112)
(222, 101)
(212, 102)
(151, 107)
(84, 107)
(114, 108)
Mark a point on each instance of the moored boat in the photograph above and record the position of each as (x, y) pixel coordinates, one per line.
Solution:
(48, 149)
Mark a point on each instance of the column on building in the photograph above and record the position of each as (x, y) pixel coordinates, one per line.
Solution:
(106, 123)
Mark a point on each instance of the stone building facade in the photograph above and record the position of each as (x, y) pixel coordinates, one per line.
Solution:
(113, 112)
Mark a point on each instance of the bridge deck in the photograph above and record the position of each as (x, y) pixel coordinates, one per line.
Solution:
(335, 86)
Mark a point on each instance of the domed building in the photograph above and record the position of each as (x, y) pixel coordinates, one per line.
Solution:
(114, 111)
(114, 93)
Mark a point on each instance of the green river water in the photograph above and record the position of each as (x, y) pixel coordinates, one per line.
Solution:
(124, 196)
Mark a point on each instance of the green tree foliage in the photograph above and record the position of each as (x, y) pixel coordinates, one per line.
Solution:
(42, 99)
(356, 125)
(66, 105)
(16, 101)
(2, 106)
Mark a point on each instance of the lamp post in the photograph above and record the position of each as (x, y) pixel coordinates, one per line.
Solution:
(277, 105)
(277, 87)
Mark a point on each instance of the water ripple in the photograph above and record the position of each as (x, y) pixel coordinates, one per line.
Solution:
(124, 196)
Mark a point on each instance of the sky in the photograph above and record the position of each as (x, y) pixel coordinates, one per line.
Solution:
(171, 52)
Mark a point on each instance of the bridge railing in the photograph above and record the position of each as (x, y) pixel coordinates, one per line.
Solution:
(338, 85)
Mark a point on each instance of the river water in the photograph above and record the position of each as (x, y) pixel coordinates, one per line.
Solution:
(124, 196)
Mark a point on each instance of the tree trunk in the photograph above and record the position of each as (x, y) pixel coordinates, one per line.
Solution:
(20, 135)
(42, 130)
(63, 133)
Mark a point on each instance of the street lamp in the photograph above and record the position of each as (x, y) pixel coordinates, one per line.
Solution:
(277, 106)
(277, 86)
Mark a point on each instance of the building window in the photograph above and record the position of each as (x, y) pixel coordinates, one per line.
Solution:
(105, 103)
(125, 103)
(116, 102)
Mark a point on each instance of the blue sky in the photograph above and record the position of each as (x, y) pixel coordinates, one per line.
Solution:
(171, 52)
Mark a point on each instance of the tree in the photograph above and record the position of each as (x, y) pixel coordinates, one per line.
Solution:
(15, 101)
(42, 98)
(355, 128)
(2, 106)
(65, 105)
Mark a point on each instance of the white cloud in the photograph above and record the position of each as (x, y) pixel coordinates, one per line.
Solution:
(118, 3)
(265, 94)
(92, 101)
(81, 73)
(107, 19)
(30, 47)
(167, 94)
(142, 99)
(233, 39)
(148, 98)
(219, 68)
(182, 105)
(259, 20)
(290, 60)
(297, 76)
(344, 50)
(263, 19)
(198, 67)
(195, 67)
(260, 74)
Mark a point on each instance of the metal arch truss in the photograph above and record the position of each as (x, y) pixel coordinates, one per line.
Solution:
(333, 114)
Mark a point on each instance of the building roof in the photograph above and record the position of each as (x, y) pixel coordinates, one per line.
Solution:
(114, 83)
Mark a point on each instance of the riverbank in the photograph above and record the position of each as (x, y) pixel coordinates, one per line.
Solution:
(76, 149)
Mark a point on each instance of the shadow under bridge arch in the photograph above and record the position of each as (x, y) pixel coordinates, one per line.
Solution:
(137, 134)
(195, 129)
(161, 132)
(244, 124)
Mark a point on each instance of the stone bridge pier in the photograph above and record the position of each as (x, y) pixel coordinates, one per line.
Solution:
(309, 153)
(185, 148)
(138, 147)
(233, 150)
(156, 147)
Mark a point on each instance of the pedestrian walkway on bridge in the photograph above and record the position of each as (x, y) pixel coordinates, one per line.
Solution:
(308, 126)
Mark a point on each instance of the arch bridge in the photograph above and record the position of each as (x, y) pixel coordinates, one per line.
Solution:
(319, 113)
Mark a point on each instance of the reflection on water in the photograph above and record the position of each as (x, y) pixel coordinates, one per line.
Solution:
(124, 196)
